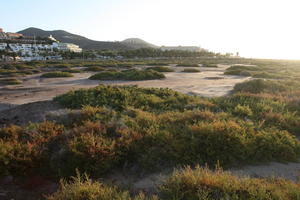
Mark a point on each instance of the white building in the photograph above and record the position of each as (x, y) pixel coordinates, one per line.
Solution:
(41, 51)
(67, 47)
(23, 49)
(3, 46)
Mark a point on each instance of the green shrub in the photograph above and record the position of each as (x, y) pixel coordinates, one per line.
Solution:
(94, 69)
(157, 64)
(161, 69)
(238, 72)
(266, 86)
(187, 65)
(242, 70)
(82, 187)
(191, 70)
(132, 74)
(245, 73)
(56, 75)
(268, 75)
(10, 81)
(120, 98)
(72, 71)
(210, 65)
(23, 150)
(243, 111)
(202, 183)
(61, 66)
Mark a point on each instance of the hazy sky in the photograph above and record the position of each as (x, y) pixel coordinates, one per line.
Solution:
(255, 28)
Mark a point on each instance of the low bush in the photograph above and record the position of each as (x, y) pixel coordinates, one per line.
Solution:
(94, 69)
(210, 65)
(191, 70)
(202, 183)
(187, 183)
(10, 81)
(242, 70)
(72, 71)
(161, 69)
(157, 64)
(264, 86)
(238, 72)
(82, 187)
(61, 66)
(268, 75)
(119, 98)
(56, 75)
(187, 65)
(149, 128)
(132, 74)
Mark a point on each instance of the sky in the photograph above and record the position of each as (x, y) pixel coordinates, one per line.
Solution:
(254, 28)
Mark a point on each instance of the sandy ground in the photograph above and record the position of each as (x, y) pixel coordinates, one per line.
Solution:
(209, 82)
(290, 171)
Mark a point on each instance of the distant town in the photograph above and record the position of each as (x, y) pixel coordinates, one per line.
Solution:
(16, 46)
(28, 46)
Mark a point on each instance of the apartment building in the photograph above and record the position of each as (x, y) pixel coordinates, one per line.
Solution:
(67, 47)
(3, 46)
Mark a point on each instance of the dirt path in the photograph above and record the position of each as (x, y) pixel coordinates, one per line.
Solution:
(290, 171)
(209, 82)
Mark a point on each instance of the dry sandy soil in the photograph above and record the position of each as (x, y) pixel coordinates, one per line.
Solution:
(209, 82)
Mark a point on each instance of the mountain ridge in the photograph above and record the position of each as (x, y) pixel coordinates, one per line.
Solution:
(86, 43)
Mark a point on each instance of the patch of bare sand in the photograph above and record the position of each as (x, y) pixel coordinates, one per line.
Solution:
(210, 82)
(31, 112)
(288, 171)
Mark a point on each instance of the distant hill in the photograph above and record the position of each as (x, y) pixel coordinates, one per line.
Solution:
(85, 43)
(138, 43)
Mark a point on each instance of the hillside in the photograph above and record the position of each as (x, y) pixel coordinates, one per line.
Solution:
(84, 42)
(137, 43)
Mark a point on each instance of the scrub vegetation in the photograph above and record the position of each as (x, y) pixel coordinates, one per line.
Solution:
(131, 74)
(111, 128)
(191, 70)
(56, 75)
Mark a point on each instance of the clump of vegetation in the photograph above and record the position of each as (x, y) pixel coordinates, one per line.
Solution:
(133, 74)
(187, 65)
(122, 97)
(10, 81)
(82, 187)
(191, 70)
(157, 63)
(56, 75)
(72, 71)
(268, 75)
(265, 86)
(202, 183)
(94, 69)
(147, 129)
(238, 73)
(161, 69)
(209, 65)
(241, 70)
(61, 66)
(187, 183)
(144, 127)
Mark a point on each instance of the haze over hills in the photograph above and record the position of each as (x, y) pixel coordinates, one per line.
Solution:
(88, 44)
